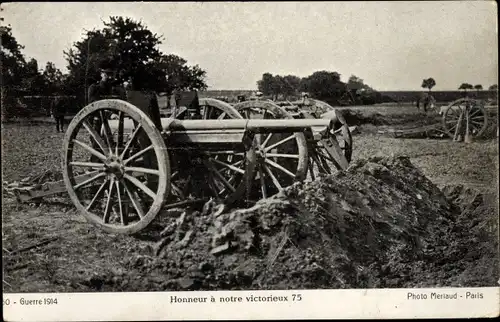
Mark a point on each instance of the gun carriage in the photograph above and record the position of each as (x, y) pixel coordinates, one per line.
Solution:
(123, 162)
(464, 115)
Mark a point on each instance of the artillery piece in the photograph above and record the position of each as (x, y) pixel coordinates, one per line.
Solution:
(123, 163)
(464, 118)
(464, 115)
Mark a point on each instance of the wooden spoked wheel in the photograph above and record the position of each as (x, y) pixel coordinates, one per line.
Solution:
(230, 172)
(213, 109)
(126, 162)
(340, 152)
(341, 128)
(281, 157)
(455, 117)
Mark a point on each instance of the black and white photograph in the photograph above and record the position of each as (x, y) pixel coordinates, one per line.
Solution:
(193, 147)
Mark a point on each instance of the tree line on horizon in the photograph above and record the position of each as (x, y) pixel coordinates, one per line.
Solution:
(429, 83)
(322, 85)
(124, 43)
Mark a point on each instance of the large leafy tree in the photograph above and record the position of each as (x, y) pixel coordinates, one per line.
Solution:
(13, 62)
(172, 72)
(291, 85)
(134, 50)
(13, 71)
(323, 85)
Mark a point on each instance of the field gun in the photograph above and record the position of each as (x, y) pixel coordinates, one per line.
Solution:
(123, 163)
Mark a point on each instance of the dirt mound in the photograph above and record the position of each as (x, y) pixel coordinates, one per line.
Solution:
(380, 224)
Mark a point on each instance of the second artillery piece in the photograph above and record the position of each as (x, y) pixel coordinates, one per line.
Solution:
(123, 163)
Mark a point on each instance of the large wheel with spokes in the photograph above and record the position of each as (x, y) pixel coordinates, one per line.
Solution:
(230, 172)
(454, 118)
(126, 162)
(281, 157)
(341, 128)
(339, 153)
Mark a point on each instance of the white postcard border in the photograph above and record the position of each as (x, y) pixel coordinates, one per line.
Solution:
(294, 304)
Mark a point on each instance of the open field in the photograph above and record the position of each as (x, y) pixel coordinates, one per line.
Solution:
(73, 256)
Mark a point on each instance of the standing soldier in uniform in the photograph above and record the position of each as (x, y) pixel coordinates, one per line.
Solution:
(58, 111)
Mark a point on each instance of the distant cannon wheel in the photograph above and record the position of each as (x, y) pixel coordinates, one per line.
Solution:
(230, 172)
(321, 106)
(281, 157)
(454, 118)
(213, 109)
(128, 166)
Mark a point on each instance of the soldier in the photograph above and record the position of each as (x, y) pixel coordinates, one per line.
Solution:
(107, 87)
(58, 111)
(305, 98)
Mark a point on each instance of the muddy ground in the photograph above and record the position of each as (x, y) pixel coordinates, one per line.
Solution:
(408, 213)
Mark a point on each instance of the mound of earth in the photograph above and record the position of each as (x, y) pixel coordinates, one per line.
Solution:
(381, 224)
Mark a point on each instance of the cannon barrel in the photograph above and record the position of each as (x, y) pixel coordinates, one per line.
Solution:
(254, 125)
(217, 133)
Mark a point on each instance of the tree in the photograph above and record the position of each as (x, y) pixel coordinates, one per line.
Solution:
(13, 62)
(493, 87)
(465, 87)
(33, 82)
(323, 85)
(13, 67)
(53, 79)
(277, 86)
(133, 49)
(264, 85)
(173, 73)
(478, 88)
(359, 92)
(290, 85)
(428, 83)
(356, 84)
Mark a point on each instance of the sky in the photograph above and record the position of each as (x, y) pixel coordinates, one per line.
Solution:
(390, 45)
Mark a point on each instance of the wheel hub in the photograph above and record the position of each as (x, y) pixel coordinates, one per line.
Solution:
(261, 153)
(114, 167)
